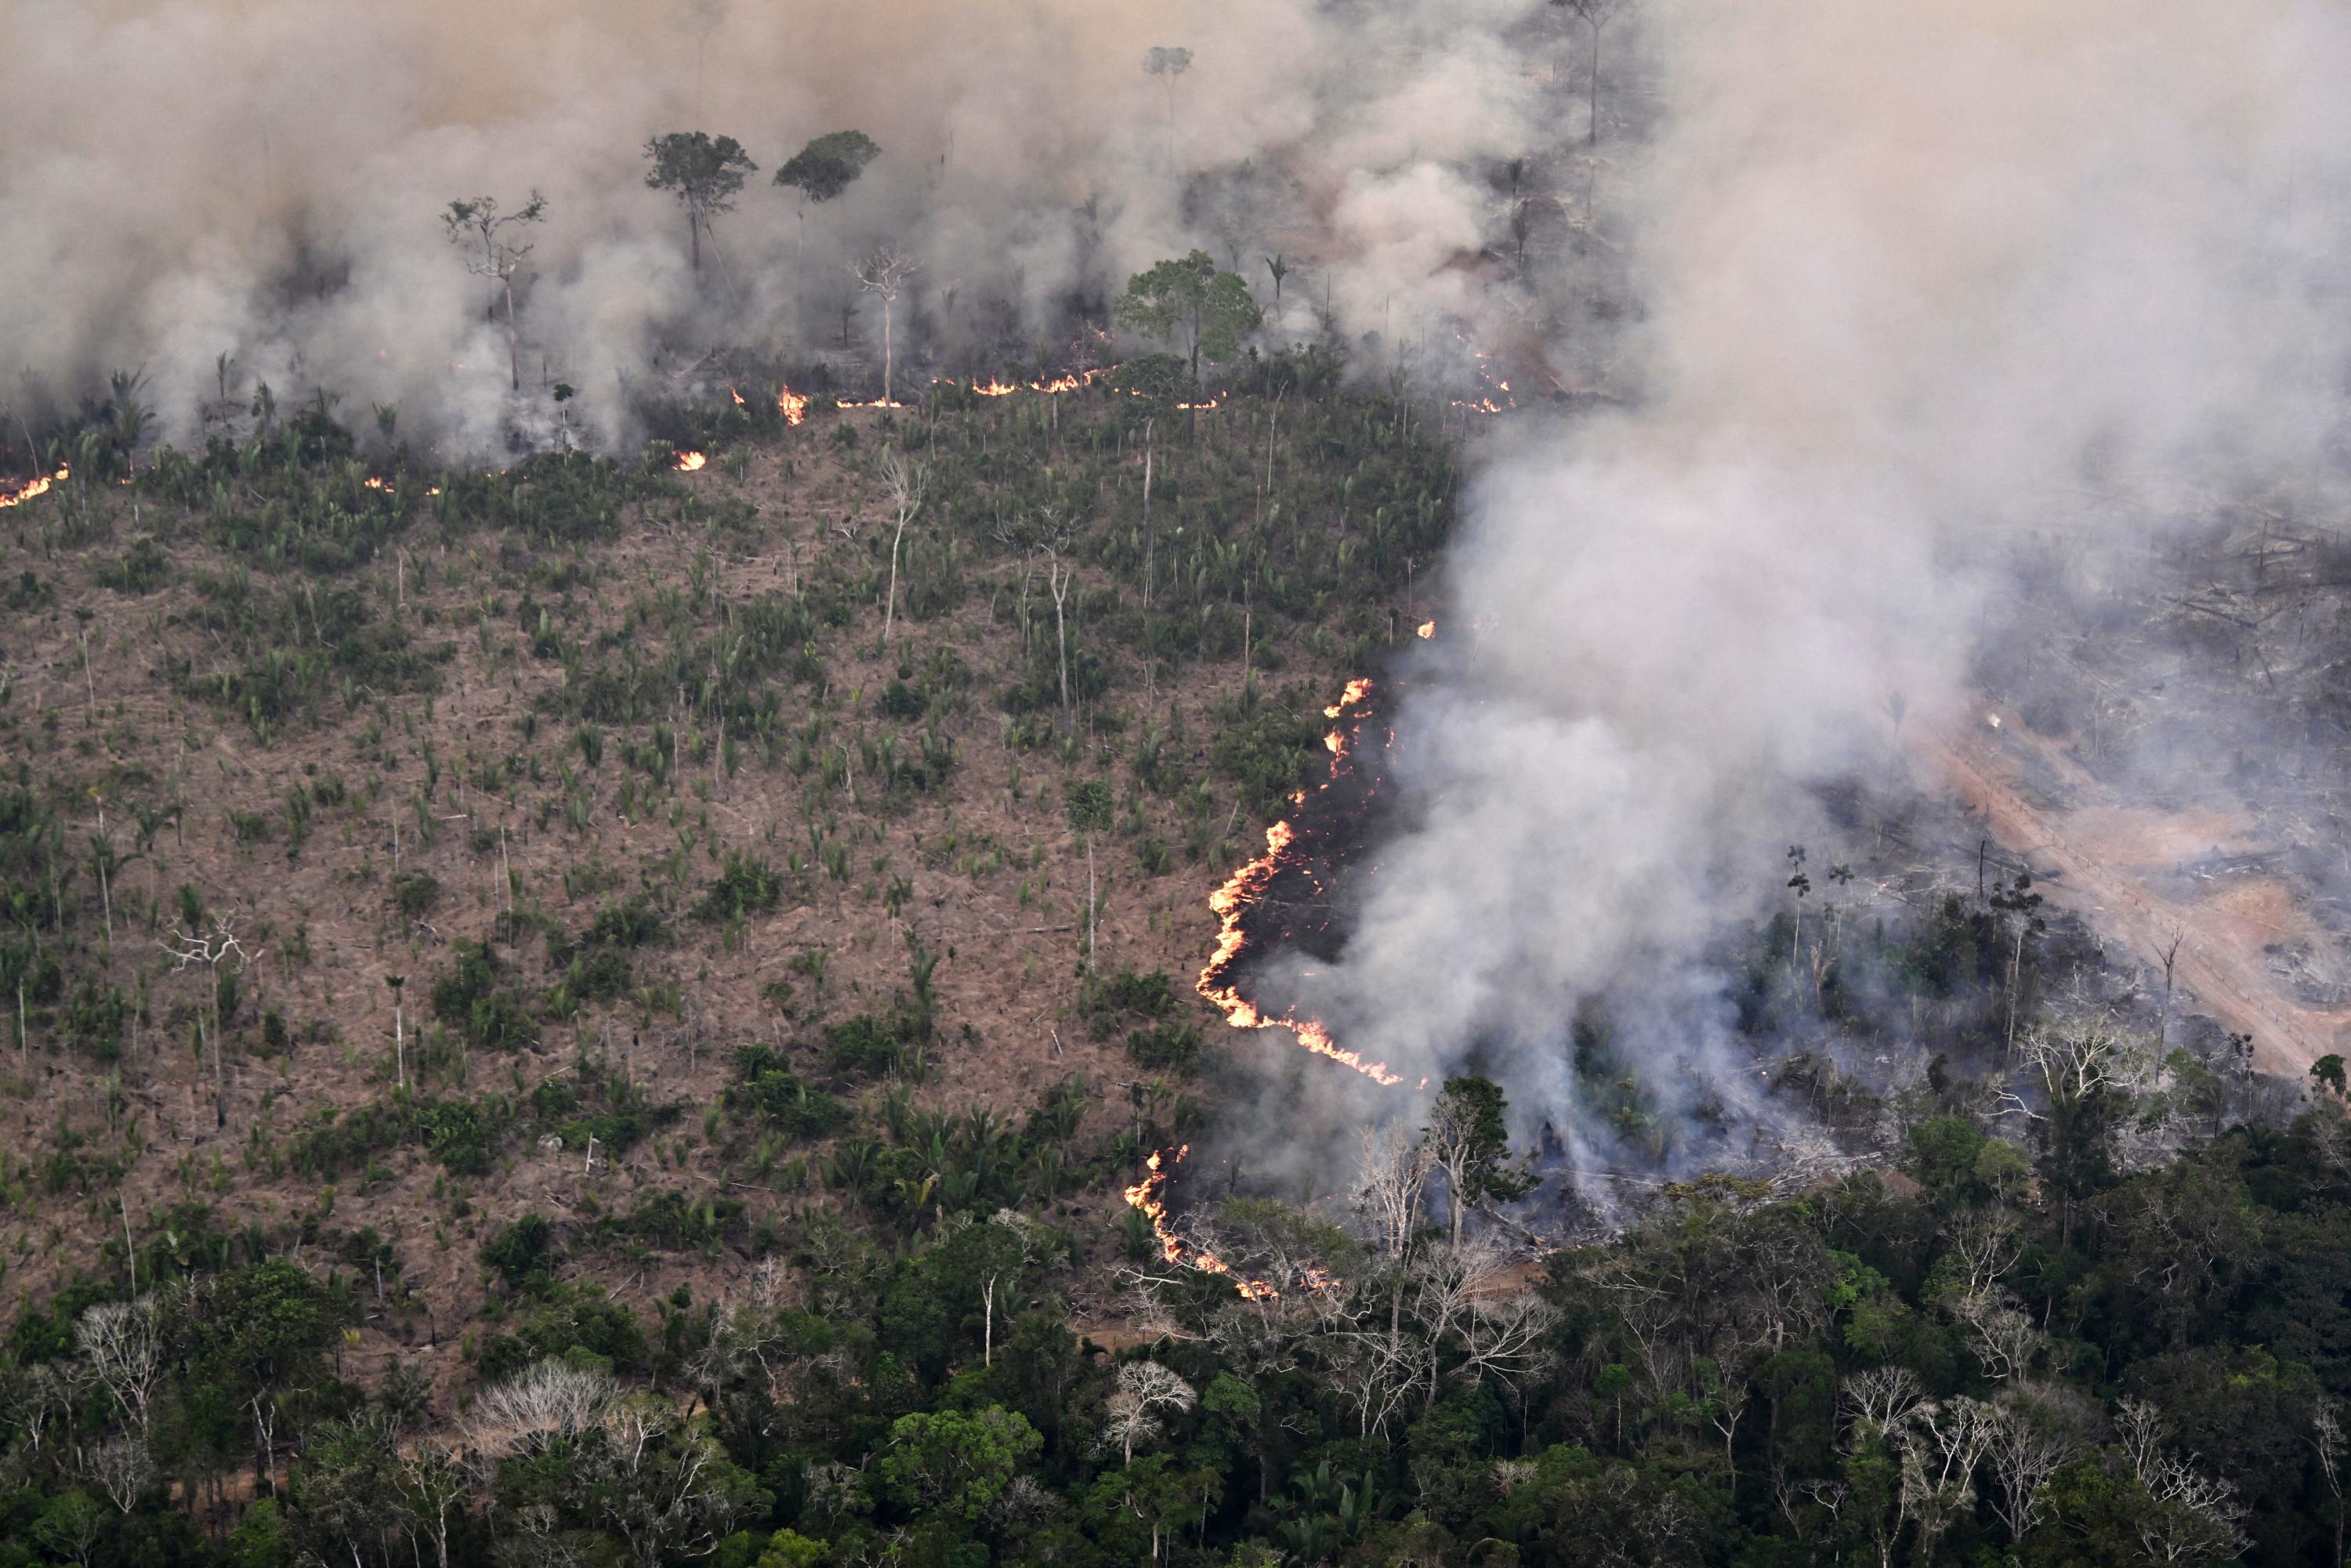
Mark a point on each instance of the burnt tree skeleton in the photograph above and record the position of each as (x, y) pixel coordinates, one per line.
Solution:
(905, 478)
(476, 221)
(881, 275)
(210, 951)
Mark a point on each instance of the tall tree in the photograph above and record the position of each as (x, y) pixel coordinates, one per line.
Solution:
(881, 275)
(1596, 14)
(258, 1331)
(1188, 297)
(825, 167)
(1089, 804)
(703, 171)
(1469, 1142)
(906, 478)
(1166, 64)
(495, 250)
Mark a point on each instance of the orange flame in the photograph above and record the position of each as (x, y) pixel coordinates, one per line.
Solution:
(793, 405)
(1357, 690)
(691, 462)
(1146, 1196)
(32, 487)
(1230, 903)
(1067, 381)
(736, 395)
(1427, 630)
(1241, 891)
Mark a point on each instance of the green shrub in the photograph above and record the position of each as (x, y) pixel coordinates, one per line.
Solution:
(522, 1251)
(413, 892)
(747, 885)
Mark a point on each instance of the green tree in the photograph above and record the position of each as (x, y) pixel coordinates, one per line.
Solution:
(952, 1463)
(825, 167)
(1189, 297)
(257, 1330)
(703, 173)
(790, 1548)
(1089, 804)
(1470, 1141)
(259, 1540)
(1168, 62)
(341, 1497)
(71, 1525)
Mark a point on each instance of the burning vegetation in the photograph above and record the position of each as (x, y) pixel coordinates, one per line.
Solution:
(596, 905)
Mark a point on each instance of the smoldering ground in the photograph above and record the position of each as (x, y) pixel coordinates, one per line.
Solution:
(1920, 286)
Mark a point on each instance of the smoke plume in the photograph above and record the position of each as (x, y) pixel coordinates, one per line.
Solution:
(263, 180)
(1920, 283)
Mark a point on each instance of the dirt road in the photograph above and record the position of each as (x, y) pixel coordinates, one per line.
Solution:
(2124, 869)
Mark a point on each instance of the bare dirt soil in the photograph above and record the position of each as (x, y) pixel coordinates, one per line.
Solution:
(994, 883)
(2148, 877)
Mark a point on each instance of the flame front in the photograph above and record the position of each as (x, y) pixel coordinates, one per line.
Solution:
(1231, 903)
(1242, 890)
(1357, 690)
(1145, 1197)
(32, 487)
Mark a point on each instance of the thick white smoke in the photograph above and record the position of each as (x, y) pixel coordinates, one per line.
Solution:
(1920, 280)
(264, 179)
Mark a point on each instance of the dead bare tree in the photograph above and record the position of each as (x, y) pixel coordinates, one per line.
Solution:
(1058, 578)
(476, 222)
(1032, 1240)
(399, 1030)
(905, 478)
(2326, 1443)
(547, 1400)
(2035, 1429)
(2006, 1337)
(1144, 1387)
(1941, 1444)
(1881, 1396)
(122, 1468)
(432, 1477)
(217, 952)
(1986, 1244)
(1392, 1185)
(1150, 448)
(124, 1344)
(2201, 1519)
(1595, 14)
(881, 275)
(1505, 1333)
(2170, 957)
